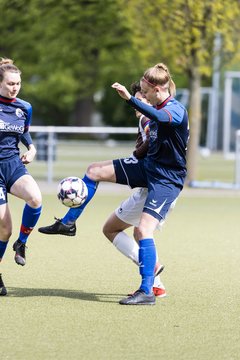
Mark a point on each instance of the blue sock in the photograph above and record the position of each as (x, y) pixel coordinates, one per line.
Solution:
(73, 214)
(3, 246)
(147, 260)
(29, 219)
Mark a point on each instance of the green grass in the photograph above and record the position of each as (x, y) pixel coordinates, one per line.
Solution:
(216, 168)
(64, 303)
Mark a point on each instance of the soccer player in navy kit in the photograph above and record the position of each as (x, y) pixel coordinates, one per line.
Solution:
(128, 213)
(162, 171)
(15, 118)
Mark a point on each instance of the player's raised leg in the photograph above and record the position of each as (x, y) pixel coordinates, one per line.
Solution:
(96, 172)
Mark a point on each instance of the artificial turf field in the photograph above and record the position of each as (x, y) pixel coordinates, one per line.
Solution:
(64, 303)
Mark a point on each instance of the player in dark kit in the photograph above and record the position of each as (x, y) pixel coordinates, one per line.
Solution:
(129, 212)
(162, 171)
(15, 118)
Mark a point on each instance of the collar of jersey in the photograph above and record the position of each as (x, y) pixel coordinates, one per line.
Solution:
(159, 106)
(7, 100)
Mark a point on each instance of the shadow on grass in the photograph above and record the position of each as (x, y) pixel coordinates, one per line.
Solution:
(69, 294)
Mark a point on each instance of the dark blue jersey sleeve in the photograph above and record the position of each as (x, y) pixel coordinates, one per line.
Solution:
(171, 113)
(26, 139)
(28, 112)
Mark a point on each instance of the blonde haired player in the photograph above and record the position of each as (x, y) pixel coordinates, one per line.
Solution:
(129, 212)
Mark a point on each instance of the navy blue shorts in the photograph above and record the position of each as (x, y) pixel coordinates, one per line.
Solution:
(161, 191)
(10, 171)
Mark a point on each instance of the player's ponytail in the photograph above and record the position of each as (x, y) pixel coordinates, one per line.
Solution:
(7, 65)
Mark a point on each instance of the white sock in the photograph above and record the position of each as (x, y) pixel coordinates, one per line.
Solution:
(158, 282)
(127, 246)
(157, 279)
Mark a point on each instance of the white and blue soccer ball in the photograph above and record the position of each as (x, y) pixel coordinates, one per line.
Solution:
(72, 191)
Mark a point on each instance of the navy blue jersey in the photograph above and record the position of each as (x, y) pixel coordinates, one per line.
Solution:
(168, 137)
(15, 118)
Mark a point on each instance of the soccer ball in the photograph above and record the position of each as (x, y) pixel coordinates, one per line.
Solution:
(72, 191)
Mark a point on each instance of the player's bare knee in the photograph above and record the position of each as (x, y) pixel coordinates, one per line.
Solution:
(137, 234)
(35, 202)
(106, 231)
(92, 171)
(5, 233)
(142, 232)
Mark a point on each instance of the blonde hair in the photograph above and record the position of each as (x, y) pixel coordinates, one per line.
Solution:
(160, 75)
(7, 65)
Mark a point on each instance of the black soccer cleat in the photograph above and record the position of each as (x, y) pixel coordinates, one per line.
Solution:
(139, 298)
(3, 290)
(19, 257)
(59, 228)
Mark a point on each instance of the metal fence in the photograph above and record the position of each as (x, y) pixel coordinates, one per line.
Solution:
(59, 153)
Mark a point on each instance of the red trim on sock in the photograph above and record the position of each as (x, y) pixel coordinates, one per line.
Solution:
(25, 230)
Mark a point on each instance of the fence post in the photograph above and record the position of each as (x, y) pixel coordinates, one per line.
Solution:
(237, 160)
(50, 157)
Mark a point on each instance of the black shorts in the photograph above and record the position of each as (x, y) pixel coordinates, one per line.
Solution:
(131, 172)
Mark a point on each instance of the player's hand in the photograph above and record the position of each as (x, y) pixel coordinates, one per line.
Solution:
(29, 155)
(122, 91)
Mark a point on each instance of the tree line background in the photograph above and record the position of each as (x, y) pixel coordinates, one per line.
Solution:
(71, 51)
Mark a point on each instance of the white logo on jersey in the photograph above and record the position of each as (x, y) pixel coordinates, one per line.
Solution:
(4, 126)
(2, 195)
(153, 134)
(19, 113)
